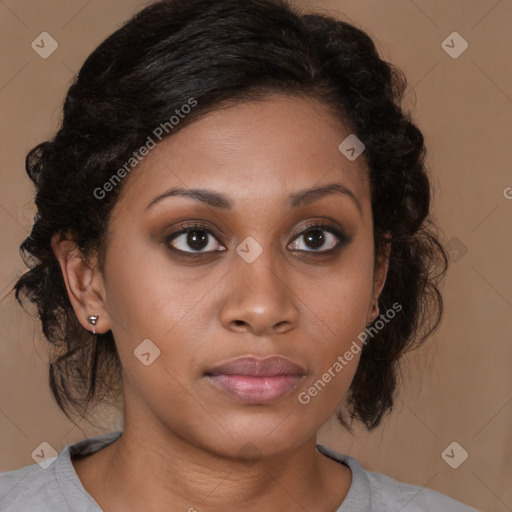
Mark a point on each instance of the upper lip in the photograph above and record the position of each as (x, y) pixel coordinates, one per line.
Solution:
(270, 366)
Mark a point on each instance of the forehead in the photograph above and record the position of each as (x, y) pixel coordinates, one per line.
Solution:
(251, 151)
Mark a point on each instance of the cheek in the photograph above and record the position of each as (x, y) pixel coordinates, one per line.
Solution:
(149, 296)
(169, 306)
(173, 306)
(338, 311)
(341, 300)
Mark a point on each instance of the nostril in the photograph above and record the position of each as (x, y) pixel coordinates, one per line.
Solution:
(239, 322)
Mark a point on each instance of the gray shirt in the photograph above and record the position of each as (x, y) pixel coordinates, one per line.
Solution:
(57, 487)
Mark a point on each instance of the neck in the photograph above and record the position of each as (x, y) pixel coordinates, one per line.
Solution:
(151, 469)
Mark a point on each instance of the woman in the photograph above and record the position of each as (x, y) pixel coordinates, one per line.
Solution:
(233, 240)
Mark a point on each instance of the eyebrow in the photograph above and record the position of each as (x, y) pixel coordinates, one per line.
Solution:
(295, 200)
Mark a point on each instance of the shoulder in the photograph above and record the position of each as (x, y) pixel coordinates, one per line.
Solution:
(31, 488)
(374, 492)
(53, 486)
(386, 491)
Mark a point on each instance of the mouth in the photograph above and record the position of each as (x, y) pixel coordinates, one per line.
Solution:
(254, 380)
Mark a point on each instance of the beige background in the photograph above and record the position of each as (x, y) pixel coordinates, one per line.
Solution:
(458, 387)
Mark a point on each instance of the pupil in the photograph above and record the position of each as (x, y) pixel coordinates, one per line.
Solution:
(196, 241)
(310, 238)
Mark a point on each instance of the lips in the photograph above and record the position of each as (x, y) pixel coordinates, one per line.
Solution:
(256, 381)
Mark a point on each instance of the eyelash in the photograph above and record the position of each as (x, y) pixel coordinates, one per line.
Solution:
(315, 226)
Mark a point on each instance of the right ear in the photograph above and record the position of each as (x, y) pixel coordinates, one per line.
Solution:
(84, 283)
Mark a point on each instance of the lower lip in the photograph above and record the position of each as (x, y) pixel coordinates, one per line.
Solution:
(256, 390)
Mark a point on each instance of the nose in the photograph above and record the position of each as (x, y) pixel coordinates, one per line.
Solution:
(258, 298)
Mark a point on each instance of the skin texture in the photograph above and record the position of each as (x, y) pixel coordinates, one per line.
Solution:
(185, 442)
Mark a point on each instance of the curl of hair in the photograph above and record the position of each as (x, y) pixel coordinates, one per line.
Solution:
(218, 52)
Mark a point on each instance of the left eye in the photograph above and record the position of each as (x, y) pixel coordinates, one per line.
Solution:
(317, 237)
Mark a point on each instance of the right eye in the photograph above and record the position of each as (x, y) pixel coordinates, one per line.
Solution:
(196, 237)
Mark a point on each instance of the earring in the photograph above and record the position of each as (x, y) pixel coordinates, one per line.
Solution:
(93, 320)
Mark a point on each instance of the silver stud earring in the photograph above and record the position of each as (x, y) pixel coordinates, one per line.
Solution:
(93, 320)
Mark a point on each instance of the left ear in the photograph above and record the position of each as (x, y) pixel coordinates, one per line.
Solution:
(379, 279)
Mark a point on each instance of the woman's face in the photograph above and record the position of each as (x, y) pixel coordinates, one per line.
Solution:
(246, 282)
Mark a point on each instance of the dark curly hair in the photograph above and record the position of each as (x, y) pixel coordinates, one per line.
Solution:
(218, 51)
